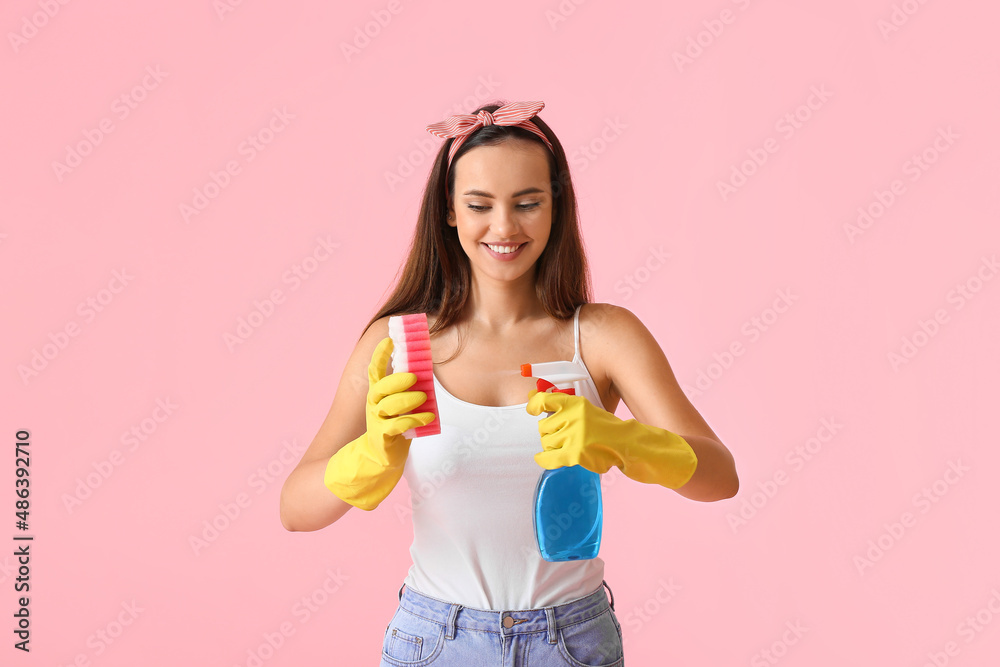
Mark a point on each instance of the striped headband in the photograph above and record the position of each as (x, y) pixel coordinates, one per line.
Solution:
(461, 126)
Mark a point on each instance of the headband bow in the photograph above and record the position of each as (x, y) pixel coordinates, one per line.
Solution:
(460, 126)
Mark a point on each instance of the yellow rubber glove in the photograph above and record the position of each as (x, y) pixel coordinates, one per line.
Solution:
(580, 433)
(364, 471)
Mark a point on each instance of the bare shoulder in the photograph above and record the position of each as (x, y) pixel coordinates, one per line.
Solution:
(378, 330)
(604, 313)
(619, 340)
(362, 355)
(605, 326)
(639, 372)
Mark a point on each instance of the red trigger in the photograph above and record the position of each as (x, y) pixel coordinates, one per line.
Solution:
(543, 384)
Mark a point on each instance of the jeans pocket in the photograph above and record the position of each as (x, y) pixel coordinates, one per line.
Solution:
(411, 640)
(596, 642)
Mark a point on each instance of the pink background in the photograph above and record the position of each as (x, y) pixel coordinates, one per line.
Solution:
(842, 547)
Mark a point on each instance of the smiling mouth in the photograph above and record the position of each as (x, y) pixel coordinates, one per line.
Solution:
(505, 250)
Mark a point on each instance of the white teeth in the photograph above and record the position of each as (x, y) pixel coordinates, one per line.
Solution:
(502, 249)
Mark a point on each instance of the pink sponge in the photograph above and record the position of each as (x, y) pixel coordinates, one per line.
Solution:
(411, 353)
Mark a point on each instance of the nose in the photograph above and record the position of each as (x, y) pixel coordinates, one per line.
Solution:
(503, 223)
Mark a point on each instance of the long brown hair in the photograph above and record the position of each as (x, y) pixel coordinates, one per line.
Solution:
(436, 276)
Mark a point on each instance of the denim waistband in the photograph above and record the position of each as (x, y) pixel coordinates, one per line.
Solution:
(506, 622)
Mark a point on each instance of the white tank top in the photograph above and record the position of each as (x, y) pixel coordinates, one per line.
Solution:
(472, 493)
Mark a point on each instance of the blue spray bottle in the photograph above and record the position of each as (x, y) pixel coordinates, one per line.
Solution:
(568, 513)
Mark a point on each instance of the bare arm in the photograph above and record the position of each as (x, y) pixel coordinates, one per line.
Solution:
(642, 376)
(306, 503)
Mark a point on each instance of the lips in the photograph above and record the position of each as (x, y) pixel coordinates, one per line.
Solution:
(505, 255)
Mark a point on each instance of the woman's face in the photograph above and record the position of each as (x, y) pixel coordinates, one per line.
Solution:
(503, 196)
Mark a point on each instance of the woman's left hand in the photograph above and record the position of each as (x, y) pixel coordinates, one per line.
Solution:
(578, 433)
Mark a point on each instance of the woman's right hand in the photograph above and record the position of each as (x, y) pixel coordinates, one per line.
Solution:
(363, 472)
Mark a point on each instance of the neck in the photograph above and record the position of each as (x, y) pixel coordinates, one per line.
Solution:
(498, 306)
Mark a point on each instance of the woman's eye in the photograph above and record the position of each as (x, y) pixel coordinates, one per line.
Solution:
(523, 207)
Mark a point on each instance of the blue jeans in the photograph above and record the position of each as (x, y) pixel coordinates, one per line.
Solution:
(427, 631)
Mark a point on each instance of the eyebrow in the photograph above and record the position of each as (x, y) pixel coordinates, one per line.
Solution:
(481, 193)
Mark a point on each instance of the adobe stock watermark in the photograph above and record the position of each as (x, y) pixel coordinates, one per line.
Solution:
(428, 145)
(131, 440)
(913, 168)
(753, 329)
(224, 7)
(923, 500)
(450, 461)
(926, 329)
(248, 149)
(104, 637)
(796, 458)
(786, 126)
(562, 521)
(900, 15)
(634, 281)
(968, 629)
(778, 649)
(295, 276)
(639, 615)
(59, 340)
(562, 12)
(7, 568)
(259, 481)
(711, 31)
(363, 35)
(583, 155)
(31, 24)
(303, 610)
(121, 108)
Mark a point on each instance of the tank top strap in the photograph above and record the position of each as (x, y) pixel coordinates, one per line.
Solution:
(576, 332)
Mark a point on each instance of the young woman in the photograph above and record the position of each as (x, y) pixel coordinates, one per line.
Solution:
(497, 263)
